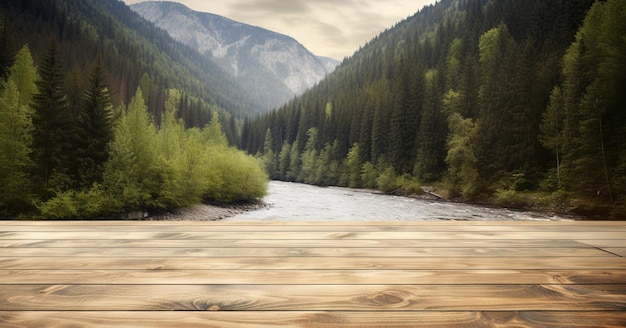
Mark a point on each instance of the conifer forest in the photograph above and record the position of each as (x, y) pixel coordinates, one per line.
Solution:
(513, 103)
(516, 103)
(101, 114)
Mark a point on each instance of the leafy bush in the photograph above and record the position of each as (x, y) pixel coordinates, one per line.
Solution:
(369, 175)
(408, 186)
(234, 176)
(62, 206)
(387, 181)
(509, 198)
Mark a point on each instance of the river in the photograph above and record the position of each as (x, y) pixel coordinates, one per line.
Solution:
(299, 202)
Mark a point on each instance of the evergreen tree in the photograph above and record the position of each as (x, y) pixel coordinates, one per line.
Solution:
(16, 134)
(354, 164)
(52, 121)
(431, 136)
(463, 174)
(284, 160)
(24, 74)
(551, 134)
(309, 157)
(295, 162)
(592, 131)
(497, 99)
(269, 159)
(95, 130)
(128, 176)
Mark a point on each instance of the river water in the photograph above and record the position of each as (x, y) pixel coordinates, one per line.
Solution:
(299, 202)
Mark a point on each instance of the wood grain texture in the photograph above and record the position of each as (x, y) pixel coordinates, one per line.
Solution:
(308, 243)
(303, 274)
(313, 297)
(306, 263)
(224, 226)
(306, 319)
(339, 235)
(215, 252)
(312, 277)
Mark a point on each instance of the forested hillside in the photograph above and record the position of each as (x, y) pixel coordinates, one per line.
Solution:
(101, 113)
(134, 52)
(487, 100)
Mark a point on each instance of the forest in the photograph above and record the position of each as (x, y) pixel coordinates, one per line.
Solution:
(513, 103)
(76, 142)
(507, 102)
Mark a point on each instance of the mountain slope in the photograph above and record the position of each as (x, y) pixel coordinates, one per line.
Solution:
(131, 47)
(273, 66)
(466, 93)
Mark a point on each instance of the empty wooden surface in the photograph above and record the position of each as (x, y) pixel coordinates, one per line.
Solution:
(221, 274)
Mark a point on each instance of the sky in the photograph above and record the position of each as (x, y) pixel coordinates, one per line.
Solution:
(331, 28)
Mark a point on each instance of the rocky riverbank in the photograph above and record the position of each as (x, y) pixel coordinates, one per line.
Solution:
(202, 212)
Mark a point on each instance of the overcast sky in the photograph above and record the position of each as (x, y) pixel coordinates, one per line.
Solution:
(332, 28)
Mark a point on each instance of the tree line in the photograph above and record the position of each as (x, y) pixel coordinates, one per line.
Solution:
(511, 102)
(133, 50)
(69, 156)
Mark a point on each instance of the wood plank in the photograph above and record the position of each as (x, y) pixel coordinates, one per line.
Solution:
(307, 319)
(345, 235)
(309, 223)
(311, 277)
(619, 243)
(305, 252)
(329, 263)
(617, 251)
(184, 227)
(312, 297)
(297, 243)
(304, 274)
(379, 243)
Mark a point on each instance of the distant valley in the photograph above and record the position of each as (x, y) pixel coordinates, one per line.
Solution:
(273, 67)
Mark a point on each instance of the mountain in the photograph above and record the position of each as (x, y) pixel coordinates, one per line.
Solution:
(487, 99)
(134, 51)
(272, 66)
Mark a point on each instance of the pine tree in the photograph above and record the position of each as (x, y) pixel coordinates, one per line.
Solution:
(52, 135)
(593, 134)
(128, 178)
(16, 130)
(353, 165)
(295, 162)
(309, 157)
(463, 172)
(16, 134)
(95, 131)
(284, 160)
(24, 74)
(551, 132)
(269, 159)
(431, 136)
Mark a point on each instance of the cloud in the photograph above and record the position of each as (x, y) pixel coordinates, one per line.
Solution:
(271, 6)
(332, 28)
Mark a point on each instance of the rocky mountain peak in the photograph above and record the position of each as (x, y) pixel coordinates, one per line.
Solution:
(274, 65)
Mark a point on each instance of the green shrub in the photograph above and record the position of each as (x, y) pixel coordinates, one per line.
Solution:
(61, 206)
(509, 198)
(233, 176)
(409, 186)
(387, 181)
(369, 175)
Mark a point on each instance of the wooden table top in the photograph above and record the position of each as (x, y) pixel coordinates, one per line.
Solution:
(307, 274)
